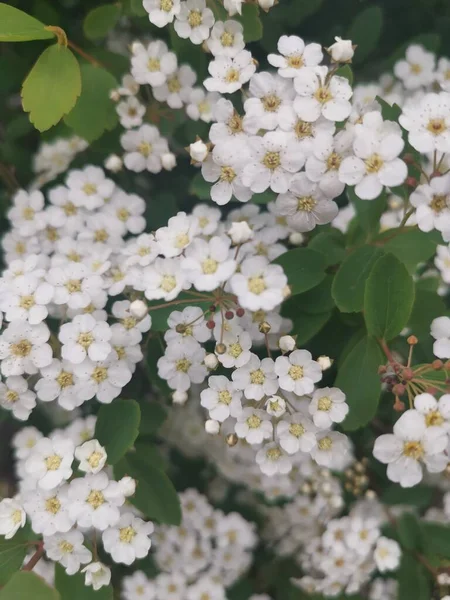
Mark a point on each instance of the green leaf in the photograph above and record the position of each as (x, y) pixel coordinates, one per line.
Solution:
(72, 587)
(153, 416)
(358, 378)
(200, 188)
(389, 112)
(12, 554)
(409, 532)
(94, 112)
(251, 22)
(365, 31)
(307, 326)
(154, 351)
(410, 245)
(389, 298)
(412, 579)
(350, 281)
(346, 72)
(436, 538)
(315, 301)
(419, 495)
(331, 245)
(368, 212)
(117, 427)
(304, 268)
(100, 20)
(138, 8)
(25, 585)
(155, 495)
(17, 26)
(52, 87)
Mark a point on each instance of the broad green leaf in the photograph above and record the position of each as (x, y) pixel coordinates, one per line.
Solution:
(413, 580)
(200, 188)
(304, 268)
(94, 112)
(436, 538)
(409, 532)
(389, 112)
(350, 281)
(388, 298)
(368, 212)
(18, 127)
(138, 8)
(419, 495)
(52, 87)
(155, 495)
(346, 72)
(25, 585)
(72, 587)
(306, 326)
(358, 378)
(117, 427)
(365, 31)
(410, 245)
(296, 12)
(17, 26)
(427, 306)
(100, 20)
(251, 22)
(12, 554)
(331, 245)
(315, 301)
(153, 416)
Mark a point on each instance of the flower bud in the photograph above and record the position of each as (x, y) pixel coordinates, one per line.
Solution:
(240, 232)
(232, 439)
(266, 4)
(127, 486)
(233, 6)
(179, 397)
(137, 47)
(276, 406)
(212, 427)
(296, 238)
(325, 362)
(113, 163)
(138, 309)
(286, 343)
(198, 151)
(168, 161)
(114, 95)
(341, 50)
(211, 361)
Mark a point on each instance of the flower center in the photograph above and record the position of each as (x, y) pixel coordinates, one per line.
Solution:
(85, 339)
(127, 534)
(89, 189)
(232, 76)
(437, 126)
(296, 429)
(225, 397)
(227, 174)
(99, 374)
(21, 348)
(129, 322)
(101, 235)
(70, 209)
(413, 450)
(271, 103)
(295, 61)
(273, 454)
(272, 160)
(123, 214)
(145, 148)
(166, 5)
(27, 302)
(120, 351)
(153, 65)
(323, 95)
(168, 283)
(53, 462)
(73, 256)
(182, 240)
(183, 365)
(12, 396)
(95, 499)
(433, 418)
(373, 163)
(195, 18)
(253, 422)
(325, 404)
(296, 372)
(334, 161)
(235, 350)
(73, 286)
(257, 377)
(307, 203)
(174, 85)
(438, 203)
(64, 379)
(16, 517)
(227, 39)
(326, 443)
(28, 213)
(209, 266)
(416, 68)
(52, 505)
(303, 129)
(235, 123)
(66, 547)
(94, 459)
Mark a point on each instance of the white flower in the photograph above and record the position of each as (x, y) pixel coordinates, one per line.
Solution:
(256, 378)
(331, 449)
(178, 234)
(297, 372)
(411, 444)
(270, 98)
(225, 166)
(161, 12)
(417, 69)
(103, 379)
(190, 323)
(440, 330)
(85, 337)
(428, 123)
(221, 398)
(12, 517)
(328, 406)
(387, 554)
(327, 154)
(229, 74)
(275, 158)
(89, 187)
(208, 264)
(50, 462)
(259, 285)
(97, 575)
(183, 364)
(295, 433)
(130, 112)
(48, 510)
(443, 73)
(163, 279)
(233, 6)
(143, 149)
(27, 300)
(201, 105)
(168, 161)
(154, 64)
(68, 549)
(92, 457)
(341, 50)
(304, 205)
(226, 39)
(27, 212)
(128, 540)
(178, 87)
(442, 262)
(317, 97)
(240, 232)
(432, 201)
(59, 382)
(238, 345)
(436, 412)
(74, 284)
(198, 151)
(24, 348)
(194, 21)
(295, 55)
(25, 440)
(16, 397)
(276, 406)
(272, 460)
(253, 425)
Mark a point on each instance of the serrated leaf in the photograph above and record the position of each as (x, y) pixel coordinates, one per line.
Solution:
(350, 281)
(100, 20)
(117, 427)
(388, 298)
(72, 587)
(25, 585)
(365, 31)
(358, 378)
(52, 87)
(94, 112)
(18, 26)
(304, 268)
(12, 554)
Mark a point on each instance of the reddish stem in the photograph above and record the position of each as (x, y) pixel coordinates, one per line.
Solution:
(35, 558)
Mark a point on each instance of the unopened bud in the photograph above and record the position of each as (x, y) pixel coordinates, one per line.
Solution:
(168, 161)
(114, 95)
(296, 238)
(138, 309)
(407, 374)
(382, 369)
(232, 439)
(266, 4)
(179, 397)
(211, 361)
(221, 348)
(276, 406)
(412, 340)
(212, 427)
(437, 364)
(409, 159)
(341, 50)
(399, 389)
(286, 343)
(325, 362)
(264, 327)
(137, 47)
(411, 182)
(399, 406)
(240, 232)
(127, 486)
(198, 151)
(113, 163)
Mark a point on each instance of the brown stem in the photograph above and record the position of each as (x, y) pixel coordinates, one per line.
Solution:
(9, 178)
(387, 352)
(35, 558)
(84, 54)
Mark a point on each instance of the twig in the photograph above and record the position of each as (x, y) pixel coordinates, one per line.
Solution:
(35, 558)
